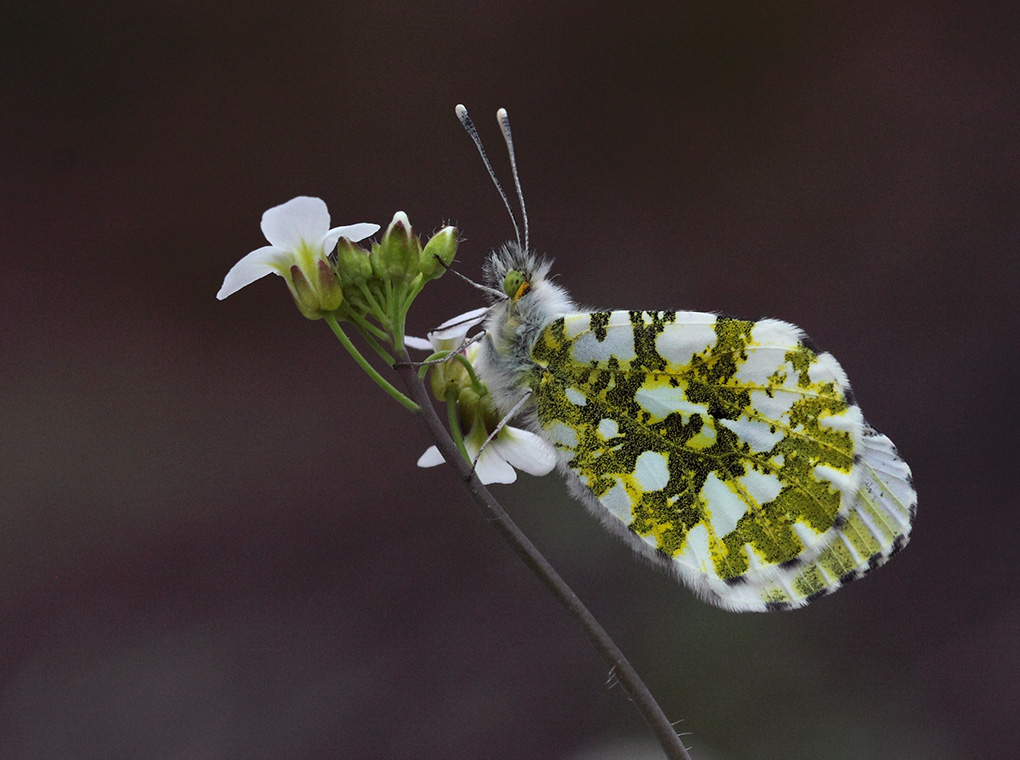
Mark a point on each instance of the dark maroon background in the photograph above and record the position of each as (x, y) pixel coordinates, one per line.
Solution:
(214, 541)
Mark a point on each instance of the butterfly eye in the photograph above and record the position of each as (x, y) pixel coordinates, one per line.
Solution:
(515, 284)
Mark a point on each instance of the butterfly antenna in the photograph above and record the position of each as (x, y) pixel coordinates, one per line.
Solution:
(499, 294)
(469, 127)
(504, 124)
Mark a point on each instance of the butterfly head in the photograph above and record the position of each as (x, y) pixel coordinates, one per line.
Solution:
(524, 298)
(513, 272)
(515, 285)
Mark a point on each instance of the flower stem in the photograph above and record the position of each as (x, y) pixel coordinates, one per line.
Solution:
(363, 363)
(364, 325)
(624, 671)
(453, 421)
(399, 317)
(476, 383)
(387, 305)
(416, 288)
(373, 343)
(370, 299)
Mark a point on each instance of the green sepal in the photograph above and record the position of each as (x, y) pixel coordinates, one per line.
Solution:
(305, 295)
(331, 293)
(438, 253)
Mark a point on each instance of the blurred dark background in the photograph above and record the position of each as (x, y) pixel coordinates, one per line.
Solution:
(214, 540)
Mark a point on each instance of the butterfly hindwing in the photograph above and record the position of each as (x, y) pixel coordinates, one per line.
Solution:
(877, 527)
(729, 448)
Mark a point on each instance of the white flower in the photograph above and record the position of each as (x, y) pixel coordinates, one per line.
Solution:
(299, 235)
(512, 447)
(451, 334)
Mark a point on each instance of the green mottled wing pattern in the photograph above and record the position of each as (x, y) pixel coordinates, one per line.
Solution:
(731, 449)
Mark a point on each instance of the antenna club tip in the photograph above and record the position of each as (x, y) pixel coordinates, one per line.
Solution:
(459, 109)
(501, 114)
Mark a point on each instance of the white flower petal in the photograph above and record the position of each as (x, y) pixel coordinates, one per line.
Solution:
(299, 219)
(471, 318)
(419, 343)
(457, 328)
(525, 450)
(353, 232)
(492, 468)
(254, 266)
(430, 458)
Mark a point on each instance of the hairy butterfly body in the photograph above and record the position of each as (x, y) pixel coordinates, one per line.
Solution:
(730, 451)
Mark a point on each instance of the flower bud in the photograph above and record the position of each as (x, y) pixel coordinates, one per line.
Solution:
(352, 262)
(438, 253)
(396, 257)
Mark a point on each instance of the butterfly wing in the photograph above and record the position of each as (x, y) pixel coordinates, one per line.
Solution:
(730, 449)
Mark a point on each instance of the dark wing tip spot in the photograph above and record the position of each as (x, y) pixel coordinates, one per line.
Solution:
(849, 577)
(808, 342)
(898, 545)
(818, 594)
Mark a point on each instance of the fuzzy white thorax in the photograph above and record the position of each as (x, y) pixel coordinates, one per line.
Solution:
(513, 325)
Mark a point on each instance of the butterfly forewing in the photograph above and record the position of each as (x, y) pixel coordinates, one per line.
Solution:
(727, 446)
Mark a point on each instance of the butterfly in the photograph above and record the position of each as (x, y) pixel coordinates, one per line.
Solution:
(731, 452)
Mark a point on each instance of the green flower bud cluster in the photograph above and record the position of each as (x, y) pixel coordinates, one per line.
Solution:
(382, 282)
(373, 288)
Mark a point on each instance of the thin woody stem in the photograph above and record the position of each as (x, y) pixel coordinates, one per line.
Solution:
(522, 546)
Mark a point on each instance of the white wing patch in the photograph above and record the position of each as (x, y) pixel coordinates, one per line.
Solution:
(650, 471)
